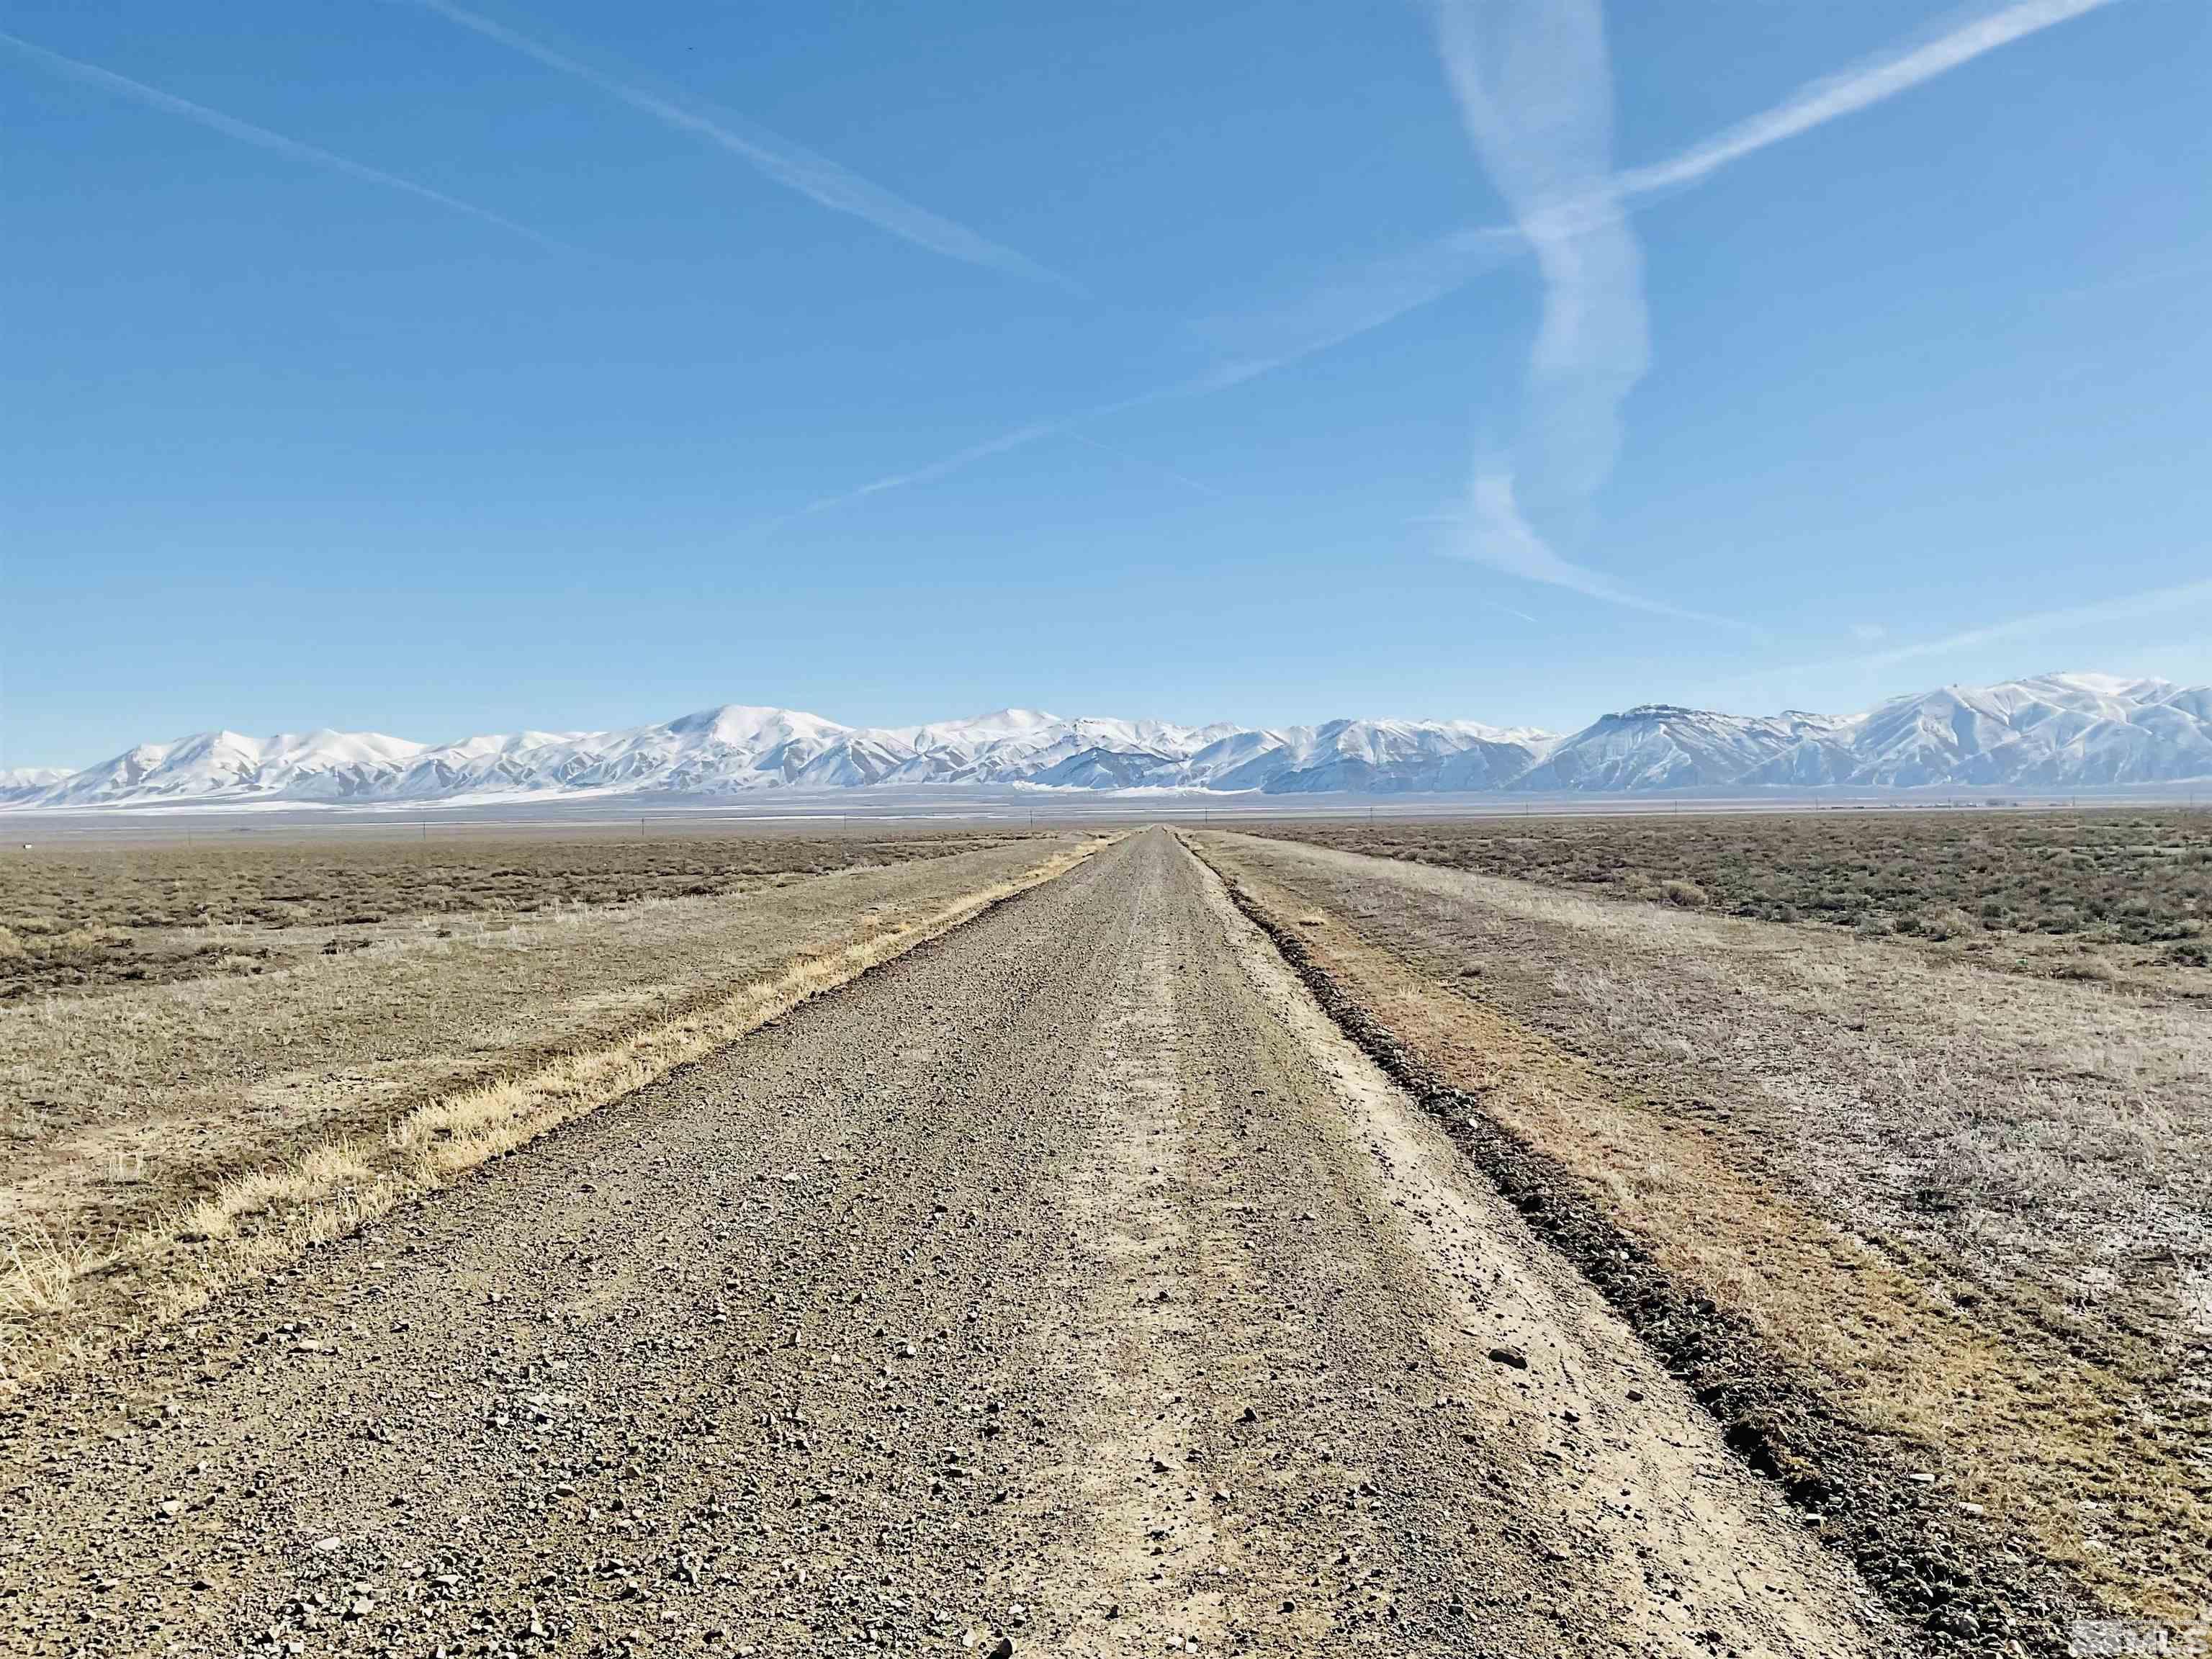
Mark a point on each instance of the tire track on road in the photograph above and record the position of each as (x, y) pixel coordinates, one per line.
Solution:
(1068, 1284)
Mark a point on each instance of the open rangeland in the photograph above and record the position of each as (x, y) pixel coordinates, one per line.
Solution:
(2079, 894)
(1099, 1245)
(280, 1037)
(237, 903)
(1914, 1223)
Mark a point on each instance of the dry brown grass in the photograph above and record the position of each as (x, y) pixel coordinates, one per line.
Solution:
(1975, 1211)
(68, 1294)
(2086, 894)
(79, 916)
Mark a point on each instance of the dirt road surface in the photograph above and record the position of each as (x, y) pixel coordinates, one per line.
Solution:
(1066, 1286)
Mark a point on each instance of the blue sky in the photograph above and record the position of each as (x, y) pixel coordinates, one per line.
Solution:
(384, 364)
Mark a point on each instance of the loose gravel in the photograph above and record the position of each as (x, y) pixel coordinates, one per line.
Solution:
(1068, 1285)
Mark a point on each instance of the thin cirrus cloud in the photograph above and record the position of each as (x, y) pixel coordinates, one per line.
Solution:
(2131, 607)
(1494, 604)
(1534, 83)
(1535, 93)
(952, 463)
(1378, 293)
(1167, 472)
(796, 168)
(153, 98)
(1860, 87)
(2159, 602)
(1357, 301)
(1233, 372)
(1511, 546)
(1019, 437)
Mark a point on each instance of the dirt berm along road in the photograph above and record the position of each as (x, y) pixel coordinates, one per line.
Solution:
(1069, 1282)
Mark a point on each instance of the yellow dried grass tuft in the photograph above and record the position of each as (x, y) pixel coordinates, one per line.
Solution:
(255, 1220)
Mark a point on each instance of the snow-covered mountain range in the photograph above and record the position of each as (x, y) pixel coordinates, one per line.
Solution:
(26, 780)
(2054, 731)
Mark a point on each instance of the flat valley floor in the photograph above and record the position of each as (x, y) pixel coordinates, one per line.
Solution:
(1068, 1284)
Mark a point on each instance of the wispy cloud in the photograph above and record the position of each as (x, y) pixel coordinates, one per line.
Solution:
(2157, 602)
(1004, 442)
(1535, 92)
(1371, 295)
(1494, 604)
(1358, 301)
(1535, 87)
(1860, 87)
(1354, 302)
(2152, 605)
(1220, 378)
(246, 132)
(796, 168)
(1493, 532)
(1019, 437)
(1167, 472)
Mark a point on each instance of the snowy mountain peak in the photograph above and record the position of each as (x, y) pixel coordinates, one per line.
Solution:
(739, 724)
(2050, 731)
(21, 783)
(2105, 685)
(1011, 719)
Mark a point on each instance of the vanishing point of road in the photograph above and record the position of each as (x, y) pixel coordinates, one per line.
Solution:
(1068, 1285)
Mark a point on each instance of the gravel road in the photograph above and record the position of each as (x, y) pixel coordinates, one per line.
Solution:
(1066, 1286)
